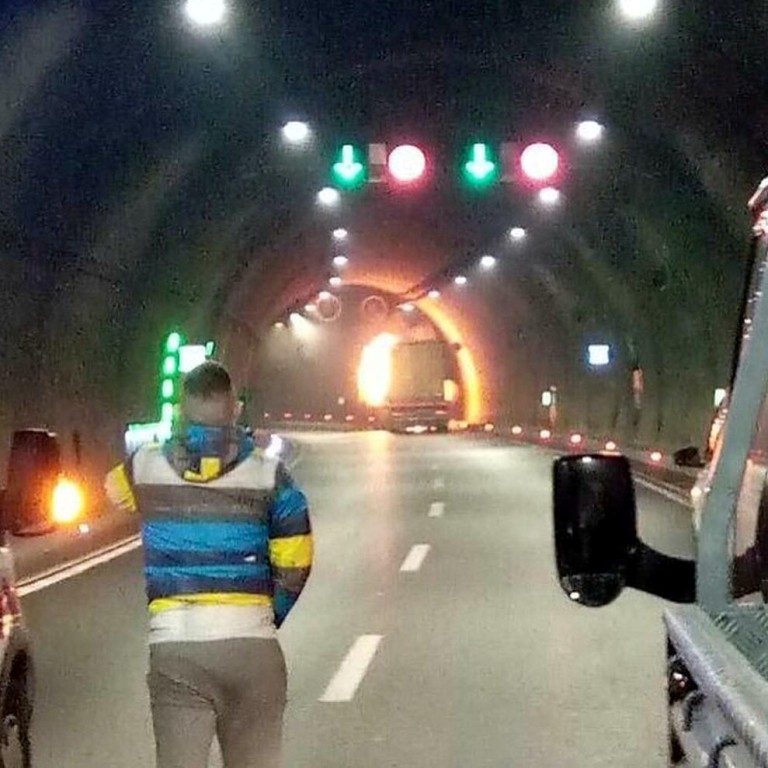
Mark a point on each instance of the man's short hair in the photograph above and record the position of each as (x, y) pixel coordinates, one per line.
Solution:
(208, 380)
(207, 396)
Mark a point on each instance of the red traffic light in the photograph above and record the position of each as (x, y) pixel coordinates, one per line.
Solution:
(406, 164)
(540, 162)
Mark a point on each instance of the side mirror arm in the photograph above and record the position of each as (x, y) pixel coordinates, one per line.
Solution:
(672, 578)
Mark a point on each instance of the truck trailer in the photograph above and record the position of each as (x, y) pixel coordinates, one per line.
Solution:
(421, 392)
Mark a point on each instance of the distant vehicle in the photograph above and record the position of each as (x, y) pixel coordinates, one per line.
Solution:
(421, 392)
(717, 649)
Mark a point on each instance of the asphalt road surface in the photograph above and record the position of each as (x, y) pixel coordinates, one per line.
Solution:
(432, 632)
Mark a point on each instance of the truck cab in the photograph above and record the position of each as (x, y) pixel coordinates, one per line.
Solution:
(717, 637)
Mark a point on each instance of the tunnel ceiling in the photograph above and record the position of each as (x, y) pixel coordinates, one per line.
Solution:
(143, 184)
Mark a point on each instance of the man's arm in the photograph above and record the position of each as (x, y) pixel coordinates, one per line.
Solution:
(290, 543)
(119, 488)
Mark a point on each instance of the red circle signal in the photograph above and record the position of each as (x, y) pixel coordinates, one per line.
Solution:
(540, 162)
(406, 164)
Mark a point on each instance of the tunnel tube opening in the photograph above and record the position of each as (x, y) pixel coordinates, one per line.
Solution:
(307, 365)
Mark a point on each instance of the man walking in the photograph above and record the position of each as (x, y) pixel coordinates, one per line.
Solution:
(228, 549)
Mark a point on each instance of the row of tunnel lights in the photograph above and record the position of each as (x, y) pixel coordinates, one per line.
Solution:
(341, 235)
(576, 439)
(487, 262)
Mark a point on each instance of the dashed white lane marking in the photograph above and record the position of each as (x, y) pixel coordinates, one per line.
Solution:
(76, 567)
(414, 559)
(438, 483)
(350, 674)
(436, 509)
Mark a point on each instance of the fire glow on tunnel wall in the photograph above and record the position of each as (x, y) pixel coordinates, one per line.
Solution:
(470, 377)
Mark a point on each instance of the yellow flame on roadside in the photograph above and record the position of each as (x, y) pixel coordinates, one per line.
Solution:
(68, 501)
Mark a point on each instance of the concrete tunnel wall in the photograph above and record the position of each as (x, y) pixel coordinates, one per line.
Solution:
(527, 326)
(79, 351)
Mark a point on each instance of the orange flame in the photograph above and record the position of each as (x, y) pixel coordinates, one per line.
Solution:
(374, 376)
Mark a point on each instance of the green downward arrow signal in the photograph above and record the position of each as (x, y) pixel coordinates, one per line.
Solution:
(348, 172)
(480, 169)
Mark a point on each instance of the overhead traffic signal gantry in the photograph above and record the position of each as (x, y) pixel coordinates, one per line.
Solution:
(482, 164)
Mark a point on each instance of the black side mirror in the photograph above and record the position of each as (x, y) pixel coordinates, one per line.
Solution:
(34, 468)
(688, 457)
(597, 547)
(595, 526)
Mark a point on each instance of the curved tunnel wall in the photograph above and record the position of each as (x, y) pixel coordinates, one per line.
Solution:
(146, 219)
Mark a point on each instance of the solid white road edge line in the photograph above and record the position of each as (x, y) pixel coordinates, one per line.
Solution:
(415, 558)
(350, 674)
(436, 509)
(680, 498)
(76, 567)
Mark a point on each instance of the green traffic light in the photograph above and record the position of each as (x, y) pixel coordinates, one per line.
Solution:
(170, 366)
(348, 171)
(173, 342)
(480, 170)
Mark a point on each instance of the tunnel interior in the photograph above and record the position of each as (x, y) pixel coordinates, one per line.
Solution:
(309, 367)
(175, 205)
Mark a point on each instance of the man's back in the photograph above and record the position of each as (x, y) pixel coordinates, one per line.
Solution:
(223, 527)
(227, 550)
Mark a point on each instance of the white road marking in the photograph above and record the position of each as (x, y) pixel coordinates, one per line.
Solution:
(438, 483)
(414, 559)
(679, 497)
(350, 674)
(76, 567)
(436, 509)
